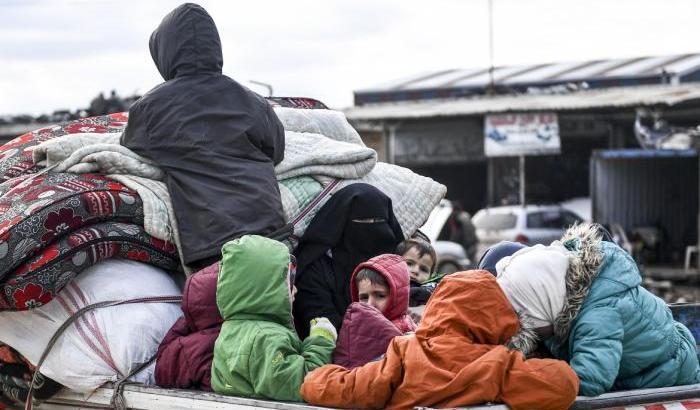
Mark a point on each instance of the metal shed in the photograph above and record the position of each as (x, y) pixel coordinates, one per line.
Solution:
(659, 188)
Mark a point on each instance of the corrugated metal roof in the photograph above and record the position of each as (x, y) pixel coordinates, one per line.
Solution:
(579, 100)
(539, 74)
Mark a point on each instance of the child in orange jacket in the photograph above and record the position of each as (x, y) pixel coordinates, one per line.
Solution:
(457, 357)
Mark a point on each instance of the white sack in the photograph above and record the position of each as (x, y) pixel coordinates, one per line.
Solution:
(126, 336)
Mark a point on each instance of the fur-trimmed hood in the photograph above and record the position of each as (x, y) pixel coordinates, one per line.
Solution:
(583, 241)
(526, 339)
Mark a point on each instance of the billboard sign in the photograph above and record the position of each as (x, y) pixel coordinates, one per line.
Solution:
(521, 134)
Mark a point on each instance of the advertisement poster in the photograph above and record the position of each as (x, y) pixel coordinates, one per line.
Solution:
(521, 134)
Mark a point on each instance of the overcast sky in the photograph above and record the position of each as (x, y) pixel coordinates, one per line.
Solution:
(61, 53)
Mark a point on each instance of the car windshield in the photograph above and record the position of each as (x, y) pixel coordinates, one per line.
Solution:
(494, 222)
(551, 220)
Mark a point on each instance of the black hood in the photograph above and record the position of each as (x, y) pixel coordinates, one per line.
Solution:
(497, 252)
(186, 43)
(334, 227)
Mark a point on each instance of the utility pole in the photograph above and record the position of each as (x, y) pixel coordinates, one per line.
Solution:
(521, 168)
(492, 83)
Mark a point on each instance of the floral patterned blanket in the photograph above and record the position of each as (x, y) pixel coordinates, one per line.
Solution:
(38, 279)
(39, 210)
(54, 225)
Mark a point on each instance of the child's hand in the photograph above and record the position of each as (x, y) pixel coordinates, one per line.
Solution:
(324, 328)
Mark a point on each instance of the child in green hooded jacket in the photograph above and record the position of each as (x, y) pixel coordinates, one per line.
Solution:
(258, 353)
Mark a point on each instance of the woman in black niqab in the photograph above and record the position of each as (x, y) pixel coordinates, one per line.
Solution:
(356, 224)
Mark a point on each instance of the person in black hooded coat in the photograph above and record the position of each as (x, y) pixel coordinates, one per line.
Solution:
(356, 224)
(216, 141)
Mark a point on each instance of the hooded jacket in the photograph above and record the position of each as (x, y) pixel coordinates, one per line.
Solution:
(614, 333)
(216, 141)
(394, 270)
(457, 357)
(497, 252)
(185, 354)
(258, 353)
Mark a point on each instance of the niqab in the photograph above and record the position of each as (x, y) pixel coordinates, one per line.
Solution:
(356, 224)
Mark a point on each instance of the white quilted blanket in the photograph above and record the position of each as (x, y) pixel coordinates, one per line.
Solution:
(329, 123)
(315, 154)
(93, 152)
(101, 153)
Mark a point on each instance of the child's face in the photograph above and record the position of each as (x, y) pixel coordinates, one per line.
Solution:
(418, 266)
(373, 294)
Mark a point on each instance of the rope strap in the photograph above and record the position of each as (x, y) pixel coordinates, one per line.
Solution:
(99, 305)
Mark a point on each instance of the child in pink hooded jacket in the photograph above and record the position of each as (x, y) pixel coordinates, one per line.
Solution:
(395, 272)
(379, 289)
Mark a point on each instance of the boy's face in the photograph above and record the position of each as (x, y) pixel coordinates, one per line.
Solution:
(373, 294)
(418, 266)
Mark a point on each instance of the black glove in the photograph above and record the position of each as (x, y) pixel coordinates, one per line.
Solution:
(419, 295)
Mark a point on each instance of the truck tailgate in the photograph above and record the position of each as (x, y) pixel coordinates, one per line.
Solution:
(152, 398)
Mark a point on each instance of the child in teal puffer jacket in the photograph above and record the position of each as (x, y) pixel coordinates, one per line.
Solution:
(585, 297)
